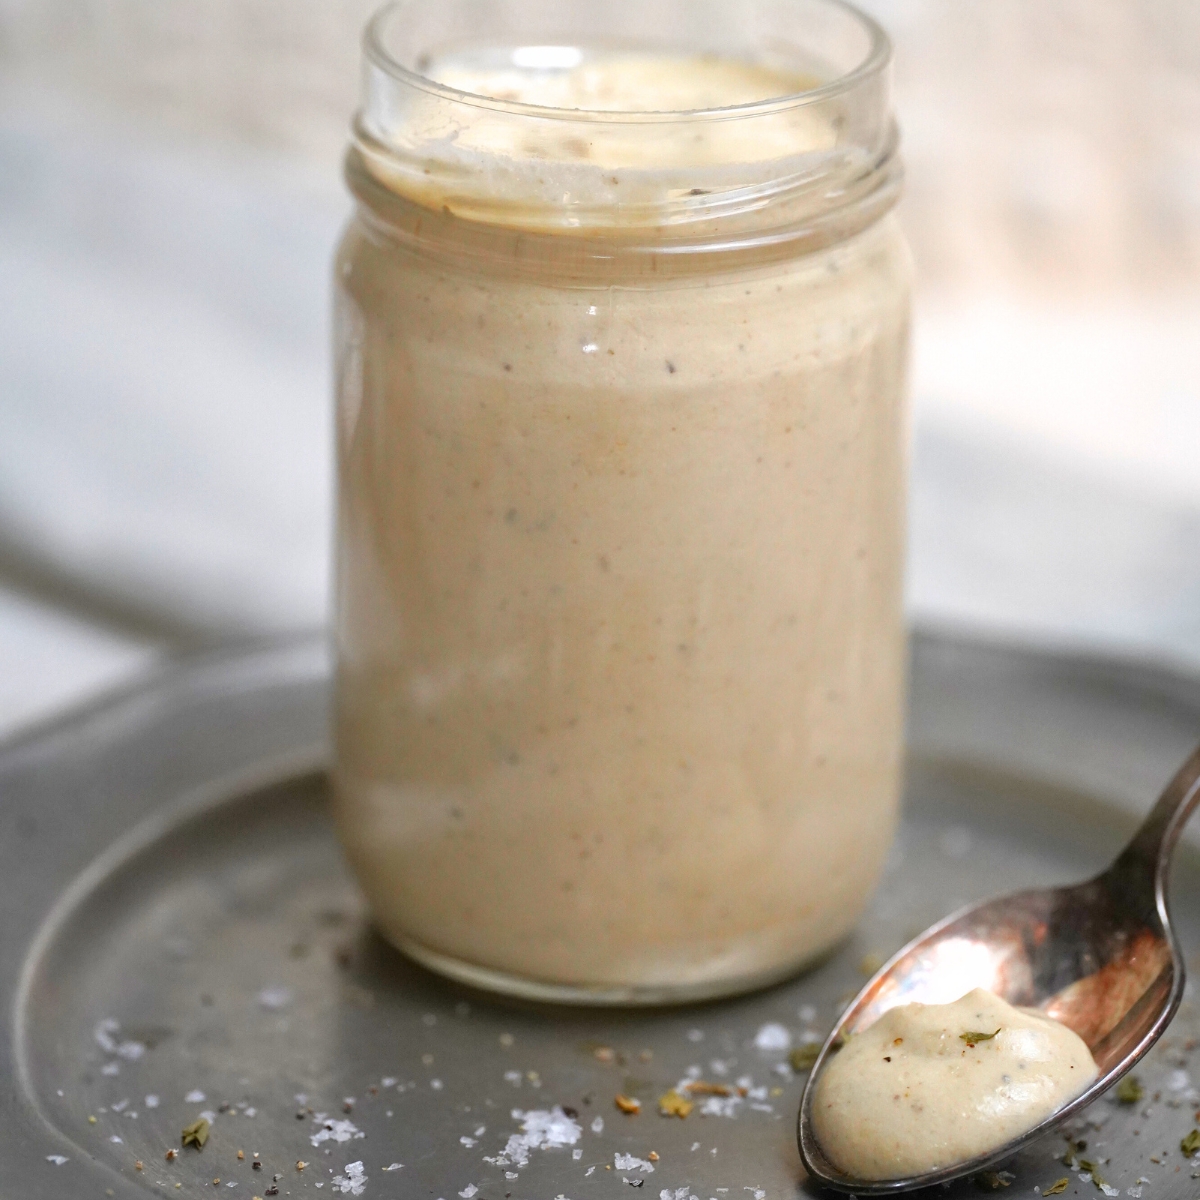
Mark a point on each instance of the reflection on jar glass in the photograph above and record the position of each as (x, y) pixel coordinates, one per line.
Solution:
(621, 322)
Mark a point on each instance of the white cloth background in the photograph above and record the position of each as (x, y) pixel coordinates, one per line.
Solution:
(165, 422)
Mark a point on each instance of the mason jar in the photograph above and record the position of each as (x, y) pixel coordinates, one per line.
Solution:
(621, 326)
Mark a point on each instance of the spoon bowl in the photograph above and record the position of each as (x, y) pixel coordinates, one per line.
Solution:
(1101, 957)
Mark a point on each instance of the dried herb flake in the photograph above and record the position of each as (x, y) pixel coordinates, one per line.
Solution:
(1130, 1090)
(698, 1087)
(1191, 1143)
(1073, 1148)
(628, 1104)
(672, 1104)
(1094, 1171)
(974, 1036)
(1059, 1185)
(196, 1134)
(803, 1058)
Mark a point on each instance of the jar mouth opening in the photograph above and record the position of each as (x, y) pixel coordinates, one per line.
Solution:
(874, 61)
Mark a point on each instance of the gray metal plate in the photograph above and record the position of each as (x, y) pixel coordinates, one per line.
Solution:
(178, 921)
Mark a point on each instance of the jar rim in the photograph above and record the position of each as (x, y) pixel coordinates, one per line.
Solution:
(876, 60)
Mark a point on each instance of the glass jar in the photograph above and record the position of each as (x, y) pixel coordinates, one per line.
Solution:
(621, 327)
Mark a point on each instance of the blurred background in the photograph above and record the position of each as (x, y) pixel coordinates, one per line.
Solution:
(170, 195)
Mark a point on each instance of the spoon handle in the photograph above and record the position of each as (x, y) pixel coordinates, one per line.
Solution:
(1148, 856)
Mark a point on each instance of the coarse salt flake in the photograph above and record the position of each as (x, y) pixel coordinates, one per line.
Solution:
(352, 1181)
(276, 996)
(773, 1036)
(720, 1106)
(541, 1129)
(628, 1162)
(333, 1130)
(105, 1032)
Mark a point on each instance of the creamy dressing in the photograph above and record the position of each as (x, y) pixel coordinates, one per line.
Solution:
(614, 81)
(931, 1085)
(620, 648)
(581, 164)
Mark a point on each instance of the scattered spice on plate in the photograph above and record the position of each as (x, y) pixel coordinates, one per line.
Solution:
(652, 1156)
(700, 1087)
(241, 1156)
(1094, 1171)
(300, 1164)
(1059, 1185)
(171, 1154)
(139, 1165)
(672, 1104)
(974, 1036)
(628, 1104)
(196, 1134)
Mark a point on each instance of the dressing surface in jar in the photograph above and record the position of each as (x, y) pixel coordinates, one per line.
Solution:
(621, 337)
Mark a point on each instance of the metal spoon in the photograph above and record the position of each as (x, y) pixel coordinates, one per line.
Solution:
(1101, 957)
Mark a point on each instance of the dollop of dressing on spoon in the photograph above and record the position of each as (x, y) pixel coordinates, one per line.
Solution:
(931, 1085)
